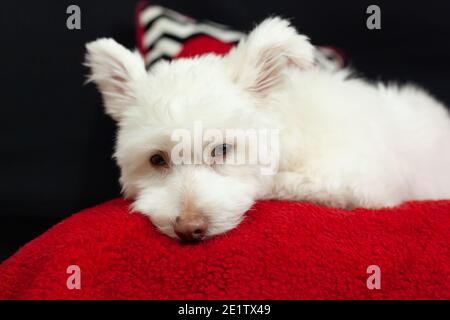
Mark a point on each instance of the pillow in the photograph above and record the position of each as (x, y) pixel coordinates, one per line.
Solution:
(165, 34)
(282, 250)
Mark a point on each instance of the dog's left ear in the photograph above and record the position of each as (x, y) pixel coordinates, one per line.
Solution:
(116, 71)
(259, 61)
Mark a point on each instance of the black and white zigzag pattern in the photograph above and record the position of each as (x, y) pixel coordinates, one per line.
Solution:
(165, 32)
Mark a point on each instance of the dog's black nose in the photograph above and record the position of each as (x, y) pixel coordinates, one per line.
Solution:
(191, 228)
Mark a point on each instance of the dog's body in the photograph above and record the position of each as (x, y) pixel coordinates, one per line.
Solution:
(349, 143)
(343, 142)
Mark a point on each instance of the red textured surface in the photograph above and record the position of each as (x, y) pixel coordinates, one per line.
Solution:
(201, 44)
(282, 250)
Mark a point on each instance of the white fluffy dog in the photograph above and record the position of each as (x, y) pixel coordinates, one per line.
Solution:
(343, 142)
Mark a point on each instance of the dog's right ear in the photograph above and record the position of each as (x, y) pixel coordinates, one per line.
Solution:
(114, 69)
(259, 61)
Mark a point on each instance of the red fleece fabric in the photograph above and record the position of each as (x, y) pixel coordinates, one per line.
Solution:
(282, 250)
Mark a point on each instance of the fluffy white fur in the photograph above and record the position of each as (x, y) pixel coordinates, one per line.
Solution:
(344, 142)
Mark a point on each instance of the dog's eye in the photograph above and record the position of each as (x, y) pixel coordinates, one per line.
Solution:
(220, 150)
(158, 160)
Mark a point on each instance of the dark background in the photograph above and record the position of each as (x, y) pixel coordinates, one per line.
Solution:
(56, 143)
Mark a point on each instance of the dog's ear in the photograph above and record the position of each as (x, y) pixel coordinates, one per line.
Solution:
(259, 61)
(114, 69)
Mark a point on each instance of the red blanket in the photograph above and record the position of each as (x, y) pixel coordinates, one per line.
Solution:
(282, 250)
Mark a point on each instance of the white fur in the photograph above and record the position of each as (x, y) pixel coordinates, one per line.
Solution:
(344, 142)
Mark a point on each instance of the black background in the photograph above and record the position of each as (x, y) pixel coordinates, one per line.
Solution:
(56, 143)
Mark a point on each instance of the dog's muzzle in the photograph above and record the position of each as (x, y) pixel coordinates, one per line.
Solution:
(191, 228)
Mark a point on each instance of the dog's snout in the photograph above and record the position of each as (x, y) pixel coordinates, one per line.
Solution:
(191, 228)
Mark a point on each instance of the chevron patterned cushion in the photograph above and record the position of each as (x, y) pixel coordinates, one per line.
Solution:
(166, 34)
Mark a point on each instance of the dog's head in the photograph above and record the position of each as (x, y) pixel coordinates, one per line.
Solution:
(187, 129)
